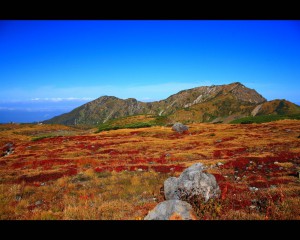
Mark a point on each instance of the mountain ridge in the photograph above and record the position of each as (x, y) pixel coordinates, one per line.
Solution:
(199, 104)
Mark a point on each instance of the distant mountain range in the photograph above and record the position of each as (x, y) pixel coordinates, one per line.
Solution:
(216, 103)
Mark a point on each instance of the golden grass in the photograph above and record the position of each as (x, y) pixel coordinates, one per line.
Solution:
(120, 191)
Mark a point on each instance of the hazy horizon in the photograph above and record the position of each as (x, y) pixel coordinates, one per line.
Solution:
(50, 67)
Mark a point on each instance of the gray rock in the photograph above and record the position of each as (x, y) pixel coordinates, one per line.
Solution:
(39, 202)
(172, 210)
(192, 182)
(179, 127)
(253, 189)
(219, 164)
(18, 197)
(170, 188)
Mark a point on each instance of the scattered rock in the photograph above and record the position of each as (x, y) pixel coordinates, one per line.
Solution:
(39, 202)
(260, 204)
(219, 140)
(43, 184)
(252, 207)
(273, 187)
(140, 170)
(276, 162)
(192, 182)
(7, 149)
(237, 178)
(172, 210)
(179, 127)
(253, 189)
(18, 197)
(219, 164)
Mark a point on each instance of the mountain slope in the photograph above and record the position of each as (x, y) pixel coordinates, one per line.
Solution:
(276, 107)
(199, 104)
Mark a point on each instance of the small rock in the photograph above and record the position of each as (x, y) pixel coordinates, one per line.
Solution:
(219, 140)
(273, 187)
(288, 130)
(18, 197)
(154, 199)
(252, 207)
(140, 170)
(253, 189)
(219, 164)
(237, 178)
(172, 210)
(276, 162)
(168, 155)
(280, 168)
(43, 184)
(179, 127)
(39, 202)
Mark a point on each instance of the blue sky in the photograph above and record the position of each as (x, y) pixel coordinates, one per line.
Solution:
(50, 66)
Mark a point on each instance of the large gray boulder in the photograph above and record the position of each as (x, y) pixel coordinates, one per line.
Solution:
(192, 182)
(179, 127)
(172, 210)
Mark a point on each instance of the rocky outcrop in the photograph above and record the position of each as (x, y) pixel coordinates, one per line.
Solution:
(172, 210)
(179, 127)
(192, 182)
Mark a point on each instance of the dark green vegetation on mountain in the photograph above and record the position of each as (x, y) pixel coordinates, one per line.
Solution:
(216, 104)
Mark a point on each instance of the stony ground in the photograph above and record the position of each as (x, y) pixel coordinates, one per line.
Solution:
(58, 172)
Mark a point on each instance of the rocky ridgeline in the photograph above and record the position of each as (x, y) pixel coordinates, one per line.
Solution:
(192, 182)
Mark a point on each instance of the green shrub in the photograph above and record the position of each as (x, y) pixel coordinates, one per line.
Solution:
(41, 137)
(264, 118)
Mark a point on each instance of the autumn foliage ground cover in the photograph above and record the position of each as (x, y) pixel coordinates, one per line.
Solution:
(59, 172)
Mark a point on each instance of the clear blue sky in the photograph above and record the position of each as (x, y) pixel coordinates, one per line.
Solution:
(51, 65)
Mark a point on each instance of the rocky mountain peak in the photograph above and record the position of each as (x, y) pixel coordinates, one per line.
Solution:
(207, 102)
